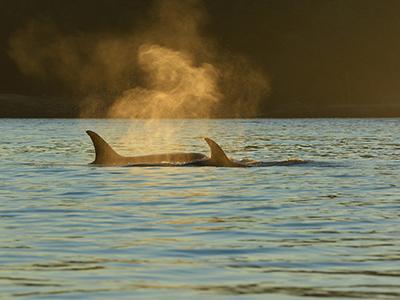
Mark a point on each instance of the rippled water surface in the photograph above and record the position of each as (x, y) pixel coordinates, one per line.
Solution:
(326, 228)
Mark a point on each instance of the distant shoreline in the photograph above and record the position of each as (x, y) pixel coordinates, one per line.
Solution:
(21, 106)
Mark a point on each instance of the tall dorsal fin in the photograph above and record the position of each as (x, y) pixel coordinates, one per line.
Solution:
(104, 153)
(218, 155)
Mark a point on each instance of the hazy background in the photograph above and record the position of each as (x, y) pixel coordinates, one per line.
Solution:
(285, 58)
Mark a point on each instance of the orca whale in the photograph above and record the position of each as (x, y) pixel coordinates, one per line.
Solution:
(105, 155)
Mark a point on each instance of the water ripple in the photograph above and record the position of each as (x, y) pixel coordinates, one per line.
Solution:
(327, 228)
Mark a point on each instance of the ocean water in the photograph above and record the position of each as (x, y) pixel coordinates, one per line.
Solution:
(329, 228)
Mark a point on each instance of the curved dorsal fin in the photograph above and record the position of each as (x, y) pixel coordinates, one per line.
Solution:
(104, 153)
(218, 155)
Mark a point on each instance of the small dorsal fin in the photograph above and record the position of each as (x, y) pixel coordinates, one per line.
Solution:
(218, 155)
(104, 153)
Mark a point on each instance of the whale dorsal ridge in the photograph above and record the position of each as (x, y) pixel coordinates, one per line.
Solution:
(104, 153)
(218, 155)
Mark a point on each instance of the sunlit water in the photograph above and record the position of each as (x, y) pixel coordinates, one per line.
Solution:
(327, 228)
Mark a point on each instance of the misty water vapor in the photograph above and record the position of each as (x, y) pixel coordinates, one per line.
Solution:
(167, 68)
(175, 87)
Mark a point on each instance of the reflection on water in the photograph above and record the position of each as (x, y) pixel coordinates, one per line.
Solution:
(328, 228)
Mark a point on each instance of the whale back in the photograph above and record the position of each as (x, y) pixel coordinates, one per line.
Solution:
(104, 153)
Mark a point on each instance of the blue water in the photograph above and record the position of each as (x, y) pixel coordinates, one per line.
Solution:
(329, 228)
